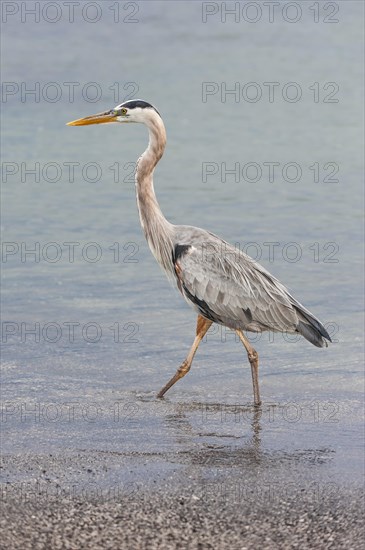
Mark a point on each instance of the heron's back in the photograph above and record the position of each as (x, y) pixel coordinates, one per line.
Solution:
(226, 286)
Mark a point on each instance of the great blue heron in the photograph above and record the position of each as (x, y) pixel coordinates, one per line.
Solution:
(221, 283)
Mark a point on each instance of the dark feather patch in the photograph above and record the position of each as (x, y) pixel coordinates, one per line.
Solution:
(180, 250)
(248, 314)
(203, 307)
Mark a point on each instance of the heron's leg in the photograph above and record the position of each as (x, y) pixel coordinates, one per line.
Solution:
(253, 357)
(201, 328)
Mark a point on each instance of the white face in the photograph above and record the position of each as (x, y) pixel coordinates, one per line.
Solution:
(137, 114)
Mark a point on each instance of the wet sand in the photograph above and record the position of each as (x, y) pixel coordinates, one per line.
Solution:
(196, 509)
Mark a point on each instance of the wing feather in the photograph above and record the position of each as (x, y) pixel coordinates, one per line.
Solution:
(237, 291)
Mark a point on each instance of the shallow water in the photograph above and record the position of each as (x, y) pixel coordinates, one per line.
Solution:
(89, 339)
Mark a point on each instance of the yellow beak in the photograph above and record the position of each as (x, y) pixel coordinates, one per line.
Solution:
(101, 118)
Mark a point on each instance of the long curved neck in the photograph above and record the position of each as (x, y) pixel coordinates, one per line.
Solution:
(158, 231)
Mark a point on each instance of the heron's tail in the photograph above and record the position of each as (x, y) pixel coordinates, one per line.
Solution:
(311, 328)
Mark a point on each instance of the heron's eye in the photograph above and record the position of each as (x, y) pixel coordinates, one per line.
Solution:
(123, 111)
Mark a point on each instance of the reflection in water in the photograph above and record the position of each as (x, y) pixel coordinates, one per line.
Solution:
(245, 449)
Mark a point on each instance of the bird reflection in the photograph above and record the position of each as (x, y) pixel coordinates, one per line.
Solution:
(207, 447)
(235, 439)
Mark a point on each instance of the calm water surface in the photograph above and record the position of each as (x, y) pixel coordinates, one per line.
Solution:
(108, 331)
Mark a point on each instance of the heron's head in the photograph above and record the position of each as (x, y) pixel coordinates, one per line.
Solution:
(133, 110)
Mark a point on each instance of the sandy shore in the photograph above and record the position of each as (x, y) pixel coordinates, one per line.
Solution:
(197, 508)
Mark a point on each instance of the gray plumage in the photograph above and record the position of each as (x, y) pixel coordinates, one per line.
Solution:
(231, 289)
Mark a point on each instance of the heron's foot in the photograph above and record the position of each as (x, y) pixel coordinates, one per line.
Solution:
(180, 373)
